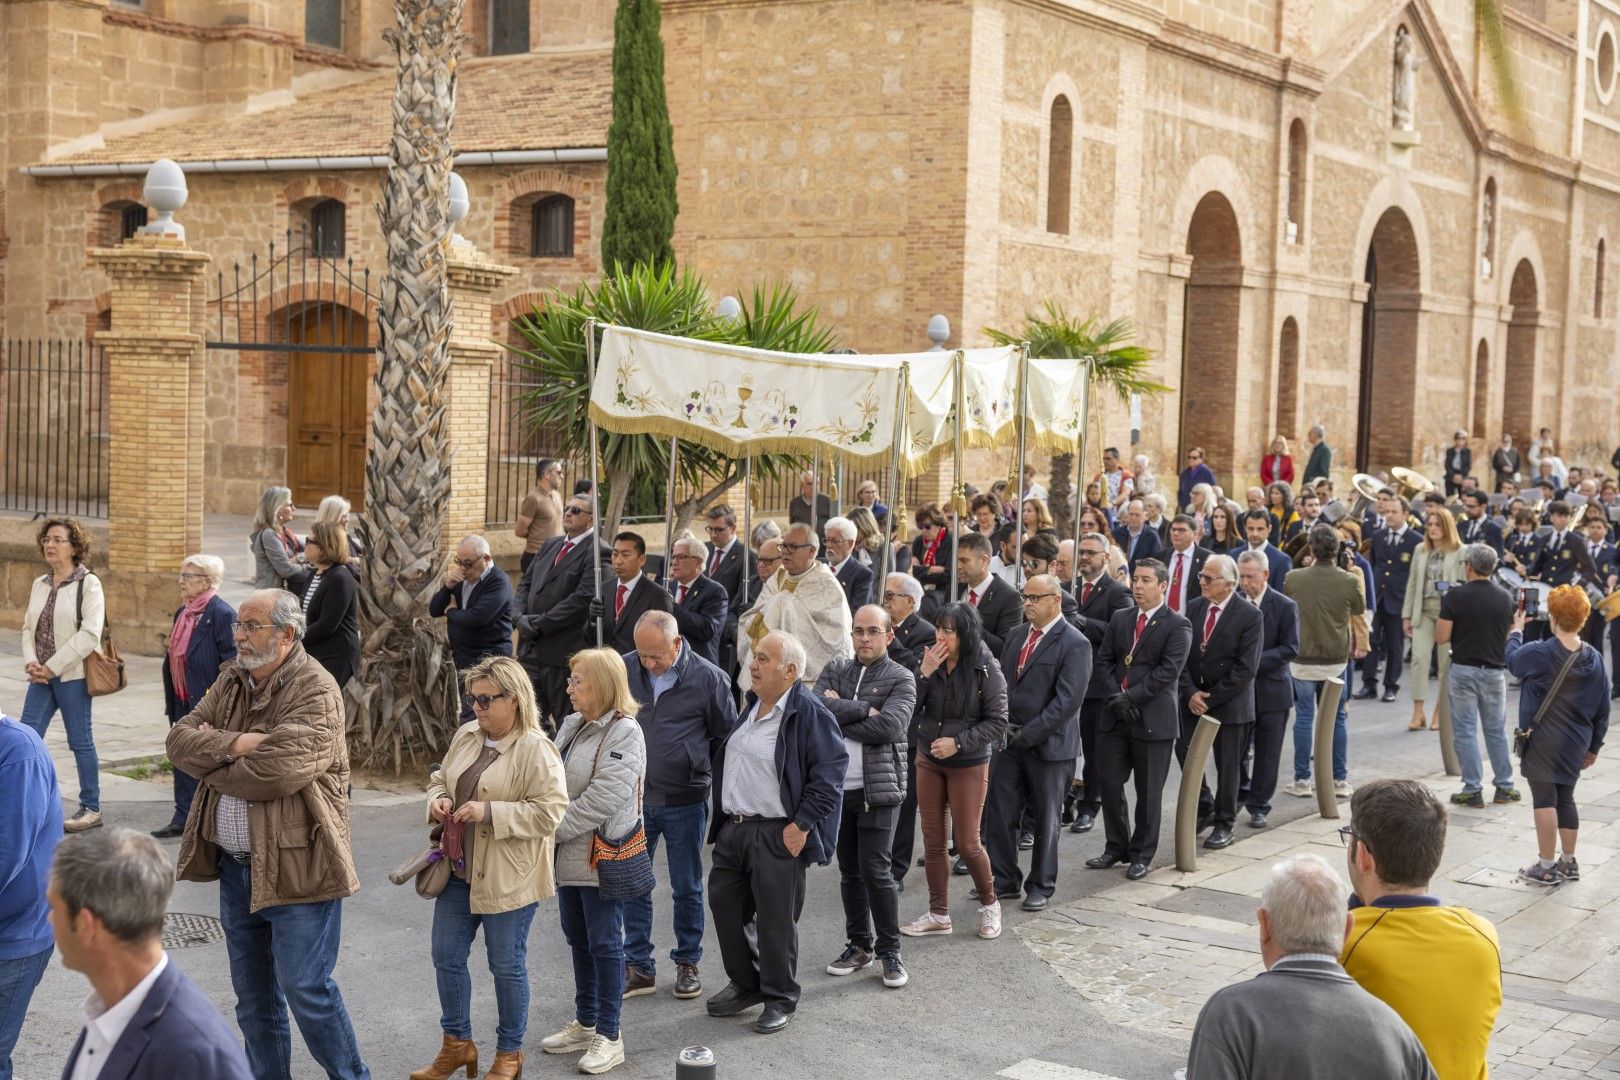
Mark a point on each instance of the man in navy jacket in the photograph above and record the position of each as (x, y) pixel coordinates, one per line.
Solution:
(149, 1022)
(700, 601)
(1273, 686)
(778, 790)
(32, 807)
(1098, 596)
(686, 705)
(475, 602)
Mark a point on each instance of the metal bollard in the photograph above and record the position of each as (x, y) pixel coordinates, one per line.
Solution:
(695, 1063)
(1192, 779)
(1327, 716)
(1442, 720)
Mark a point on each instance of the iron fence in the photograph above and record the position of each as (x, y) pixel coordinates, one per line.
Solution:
(53, 398)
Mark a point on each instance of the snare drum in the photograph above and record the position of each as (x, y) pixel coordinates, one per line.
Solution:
(1510, 579)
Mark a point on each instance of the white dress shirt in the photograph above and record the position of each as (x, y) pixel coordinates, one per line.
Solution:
(104, 1026)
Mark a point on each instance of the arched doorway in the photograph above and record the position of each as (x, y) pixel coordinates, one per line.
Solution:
(1209, 353)
(1519, 359)
(1389, 332)
(327, 410)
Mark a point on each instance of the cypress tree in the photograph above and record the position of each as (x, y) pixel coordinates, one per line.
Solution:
(640, 218)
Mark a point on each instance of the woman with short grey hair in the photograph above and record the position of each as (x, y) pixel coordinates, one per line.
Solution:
(202, 638)
(275, 548)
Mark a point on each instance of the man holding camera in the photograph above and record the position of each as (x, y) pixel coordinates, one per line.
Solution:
(1329, 600)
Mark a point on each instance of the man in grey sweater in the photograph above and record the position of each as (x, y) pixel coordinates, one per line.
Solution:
(1335, 1030)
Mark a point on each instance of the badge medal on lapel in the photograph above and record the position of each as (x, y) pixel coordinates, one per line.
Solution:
(1406, 556)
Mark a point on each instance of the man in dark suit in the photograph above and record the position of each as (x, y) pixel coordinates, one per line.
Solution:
(1101, 596)
(913, 635)
(853, 576)
(731, 564)
(625, 597)
(550, 604)
(1256, 525)
(1392, 549)
(1218, 679)
(800, 510)
(1142, 656)
(147, 1021)
(700, 602)
(475, 602)
(1041, 557)
(999, 605)
(1133, 536)
(1476, 527)
(1185, 558)
(1273, 685)
(1459, 462)
(1048, 664)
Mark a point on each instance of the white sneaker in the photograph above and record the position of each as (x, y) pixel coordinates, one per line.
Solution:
(990, 921)
(570, 1040)
(927, 923)
(604, 1053)
(1303, 789)
(1342, 789)
(86, 818)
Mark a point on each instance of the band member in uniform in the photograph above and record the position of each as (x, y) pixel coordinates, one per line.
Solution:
(1392, 550)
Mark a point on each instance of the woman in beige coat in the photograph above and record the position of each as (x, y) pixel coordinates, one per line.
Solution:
(502, 782)
(1436, 566)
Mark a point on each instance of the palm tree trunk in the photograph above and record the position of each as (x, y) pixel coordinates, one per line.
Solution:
(1057, 493)
(403, 705)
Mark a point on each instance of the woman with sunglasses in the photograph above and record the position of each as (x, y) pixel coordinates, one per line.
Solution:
(501, 785)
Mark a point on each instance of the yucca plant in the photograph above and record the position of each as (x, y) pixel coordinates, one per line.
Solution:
(666, 301)
(1117, 364)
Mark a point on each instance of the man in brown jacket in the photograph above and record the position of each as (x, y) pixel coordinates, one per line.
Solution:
(271, 823)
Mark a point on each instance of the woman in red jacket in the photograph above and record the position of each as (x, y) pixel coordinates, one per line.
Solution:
(1277, 465)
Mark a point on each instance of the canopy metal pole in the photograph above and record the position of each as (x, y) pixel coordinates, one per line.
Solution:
(1080, 471)
(669, 509)
(748, 528)
(815, 491)
(886, 526)
(957, 363)
(596, 509)
(1020, 417)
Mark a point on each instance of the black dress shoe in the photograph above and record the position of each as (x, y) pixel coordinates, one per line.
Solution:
(1104, 861)
(1366, 693)
(733, 1000)
(1083, 822)
(1257, 819)
(1136, 871)
(771, 1020)
(959, 867)
(1221, 837)
(1034, 902)
(168, 831)
(1389, 695)
(1026, 841)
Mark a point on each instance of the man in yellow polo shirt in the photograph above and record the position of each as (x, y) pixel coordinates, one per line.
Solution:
(1437, 966)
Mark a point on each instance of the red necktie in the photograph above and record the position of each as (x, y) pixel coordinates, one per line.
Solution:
(714, 563)
(1175, 585)
(1141, 622)
(1029, 647)
(1209, 623)
(618, 602)
(973, 598)
(1085, 594)
(680, 597)
(568, 545)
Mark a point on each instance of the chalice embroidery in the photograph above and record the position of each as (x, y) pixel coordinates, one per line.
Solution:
(743, 394)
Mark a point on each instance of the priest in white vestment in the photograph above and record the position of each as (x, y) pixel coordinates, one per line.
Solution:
(804, 599)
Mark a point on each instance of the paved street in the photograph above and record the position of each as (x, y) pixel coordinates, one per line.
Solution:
(1106, 984)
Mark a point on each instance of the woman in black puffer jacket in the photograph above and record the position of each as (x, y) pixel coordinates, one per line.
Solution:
(962, 717)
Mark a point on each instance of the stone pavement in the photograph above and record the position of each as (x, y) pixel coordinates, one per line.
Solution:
(1148, 954)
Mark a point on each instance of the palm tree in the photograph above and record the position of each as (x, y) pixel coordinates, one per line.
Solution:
(1116, 364)
(403, 705)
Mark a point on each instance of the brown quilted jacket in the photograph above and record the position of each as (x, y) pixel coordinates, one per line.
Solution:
(295, 782)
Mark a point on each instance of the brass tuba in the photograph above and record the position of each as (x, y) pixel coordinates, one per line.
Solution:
(1410, 484)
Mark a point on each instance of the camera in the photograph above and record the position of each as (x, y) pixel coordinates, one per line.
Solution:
(1347, 555)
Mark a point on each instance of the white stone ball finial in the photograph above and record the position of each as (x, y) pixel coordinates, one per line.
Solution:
(939, 332)
(165, 192)
(459, 205)
(728, 309)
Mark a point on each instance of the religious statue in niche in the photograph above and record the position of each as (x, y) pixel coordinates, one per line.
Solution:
(1405, 79)
(1487, 219)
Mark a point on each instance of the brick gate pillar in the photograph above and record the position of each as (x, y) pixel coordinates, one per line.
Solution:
(155, 398)
(473, 280)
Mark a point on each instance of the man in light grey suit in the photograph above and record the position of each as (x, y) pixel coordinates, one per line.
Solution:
(1335, 1029)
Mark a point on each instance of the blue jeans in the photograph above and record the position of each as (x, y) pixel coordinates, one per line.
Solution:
(594, 930)
(73, 699)
(1478, 697)
(506, 940)
(283, 957)
(1305, 692)
(17, 981)
(684, 828)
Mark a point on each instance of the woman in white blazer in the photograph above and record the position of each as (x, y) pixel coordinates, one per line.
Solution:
(65, 617)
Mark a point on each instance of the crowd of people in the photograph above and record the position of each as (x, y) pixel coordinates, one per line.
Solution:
(805, 695)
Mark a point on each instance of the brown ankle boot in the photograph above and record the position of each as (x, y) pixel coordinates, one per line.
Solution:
(453, 1055)
(508, 1065)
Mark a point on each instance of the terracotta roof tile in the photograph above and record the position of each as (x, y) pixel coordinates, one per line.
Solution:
(531, 102)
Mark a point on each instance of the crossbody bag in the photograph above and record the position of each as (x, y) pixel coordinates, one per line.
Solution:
(1521, 736)
(623, 867)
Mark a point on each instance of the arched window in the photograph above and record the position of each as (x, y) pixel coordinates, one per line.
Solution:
(1597, 284)
(323, 23)
(327, 219)
(1294, 230)
(132, 219)
(551, 230)
(508, 27)
(1059, 164)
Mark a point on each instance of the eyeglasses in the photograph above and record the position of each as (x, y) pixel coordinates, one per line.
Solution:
(1031, 597)
(1346, 832)
(247, 627)
(1091, 554)
(686, 558)
(716, 530)
(481, 702)
(575, 510)
(796, 547)
(1207, 578)
(893, 595)
(187, 575)
(468, 564)
(55, 540)
(868, 631)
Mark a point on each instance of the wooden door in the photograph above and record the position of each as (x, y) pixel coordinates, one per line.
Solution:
(326, 410)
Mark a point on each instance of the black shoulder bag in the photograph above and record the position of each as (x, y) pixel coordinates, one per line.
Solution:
(1521, 736)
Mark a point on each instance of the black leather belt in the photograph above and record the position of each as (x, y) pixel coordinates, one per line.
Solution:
(738, 819)
(240, 858)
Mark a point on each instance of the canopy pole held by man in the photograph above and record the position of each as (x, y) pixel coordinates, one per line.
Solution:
(596, 509)
(1079, 488)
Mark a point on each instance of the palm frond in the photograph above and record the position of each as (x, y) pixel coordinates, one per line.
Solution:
(1117, 364)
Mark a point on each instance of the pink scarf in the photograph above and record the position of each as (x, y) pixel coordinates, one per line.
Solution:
(180, 641)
